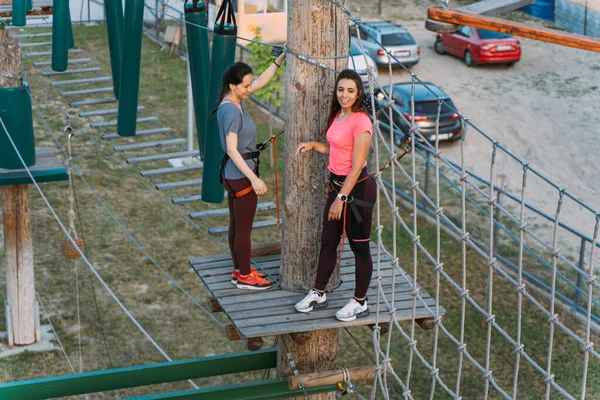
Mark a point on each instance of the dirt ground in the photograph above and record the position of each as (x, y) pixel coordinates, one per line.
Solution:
(543, 110)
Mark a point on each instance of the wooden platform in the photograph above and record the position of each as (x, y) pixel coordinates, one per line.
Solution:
(47, 168)
(267, 313)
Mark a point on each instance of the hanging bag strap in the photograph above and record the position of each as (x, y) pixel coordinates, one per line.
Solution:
(226, 15)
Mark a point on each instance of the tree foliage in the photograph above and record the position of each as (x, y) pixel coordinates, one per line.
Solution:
(261, 60)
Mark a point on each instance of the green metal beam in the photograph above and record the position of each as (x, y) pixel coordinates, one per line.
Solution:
(120, 378)
(257, 390)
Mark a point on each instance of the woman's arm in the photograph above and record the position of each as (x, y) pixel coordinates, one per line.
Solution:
(231, 141)
(266, 76)
(362, 143)
(322, 148)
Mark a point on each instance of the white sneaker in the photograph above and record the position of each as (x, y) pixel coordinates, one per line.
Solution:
(352, 310)
(310, 301)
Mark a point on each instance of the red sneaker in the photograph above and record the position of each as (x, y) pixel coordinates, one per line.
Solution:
(236, 273)
(253, 282)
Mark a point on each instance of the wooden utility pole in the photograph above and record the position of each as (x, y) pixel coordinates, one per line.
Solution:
(18, 245)
(318, 28)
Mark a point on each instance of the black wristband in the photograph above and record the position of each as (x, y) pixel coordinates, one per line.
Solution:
(276, 64)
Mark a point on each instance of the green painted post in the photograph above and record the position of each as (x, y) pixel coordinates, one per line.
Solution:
(130, 67)
(15, 110)
(199, 61)
(60, 35)
(223, 55)
(114, 27)
(19, 12)
(29, 5)
(70, 32)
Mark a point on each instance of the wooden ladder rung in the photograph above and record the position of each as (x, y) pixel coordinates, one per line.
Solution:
(145, 132)
(225, 211)
(114, 122)
(166, 156)
(163, 171)
(178, 185)
(148, 145)
(257, 225)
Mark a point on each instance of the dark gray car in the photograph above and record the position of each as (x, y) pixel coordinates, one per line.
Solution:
(426, 108)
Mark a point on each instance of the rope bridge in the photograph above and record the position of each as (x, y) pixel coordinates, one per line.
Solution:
(473, 248)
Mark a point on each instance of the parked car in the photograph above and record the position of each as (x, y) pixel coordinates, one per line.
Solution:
(480, 46)
(426, 109)
(359, 62)
(396, 39)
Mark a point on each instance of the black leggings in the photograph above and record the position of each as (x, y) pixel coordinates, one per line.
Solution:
(358, 236)
(241, 217)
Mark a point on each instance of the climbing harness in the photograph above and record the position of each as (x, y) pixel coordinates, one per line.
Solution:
(255, 156)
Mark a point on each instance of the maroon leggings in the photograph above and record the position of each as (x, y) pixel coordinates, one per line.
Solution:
(358, 236)
(241, 217)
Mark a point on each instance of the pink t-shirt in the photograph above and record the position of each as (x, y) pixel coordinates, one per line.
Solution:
(340, 136)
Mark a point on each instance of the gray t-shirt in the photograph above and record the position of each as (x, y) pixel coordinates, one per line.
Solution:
(231, 119)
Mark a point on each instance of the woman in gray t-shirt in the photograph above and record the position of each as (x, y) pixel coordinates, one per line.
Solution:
(238, 139)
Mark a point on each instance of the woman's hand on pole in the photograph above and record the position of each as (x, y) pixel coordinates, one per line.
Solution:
(304, 147)
(335, 211)
(259, 187)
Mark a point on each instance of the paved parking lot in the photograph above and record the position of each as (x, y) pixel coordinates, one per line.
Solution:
(544, 109)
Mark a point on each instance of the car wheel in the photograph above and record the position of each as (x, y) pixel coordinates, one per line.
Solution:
(469, 59)
(510, 64)
(439, 46)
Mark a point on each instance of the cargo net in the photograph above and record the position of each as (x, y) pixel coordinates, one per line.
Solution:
(502, 278)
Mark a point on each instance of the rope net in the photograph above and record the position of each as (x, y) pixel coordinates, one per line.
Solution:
(435, 203)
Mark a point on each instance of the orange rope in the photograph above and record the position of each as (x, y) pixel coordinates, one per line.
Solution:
(344, 225)
(274, 141)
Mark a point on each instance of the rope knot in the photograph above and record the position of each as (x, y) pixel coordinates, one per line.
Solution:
(523, 227)
(592, 279)
(462, 347)
(552, 319)
(490, 318)
(396, 211)
(492, 201)
(416, 239)
(464, 293)
(413, 344)
(406, 393)
(519, 348)
(392, 311)
(379, 276)
(416, 291)
(588, 347)
(562, 191)
(415, 185)
(437, 153)
(440, 211)
(488, 375)
(549, 378)
(464, 177)
(434, 372)
(376, 124)
(555, 253)
(525, 165)
(492, 260)
(379, 228)
(465, 236)
(521, 287)
(396, 261)
(439, 267)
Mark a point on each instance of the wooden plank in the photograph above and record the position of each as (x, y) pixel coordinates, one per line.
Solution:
(401, 304)
(330, 323)
(515, 28)
(286, 306)
(178, 185)
(221, 212)
(48, 168)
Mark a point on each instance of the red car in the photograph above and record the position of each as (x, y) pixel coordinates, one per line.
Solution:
(480, 46)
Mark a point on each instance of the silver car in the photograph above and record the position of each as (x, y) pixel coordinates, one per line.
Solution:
(396, 39)
(359, 62)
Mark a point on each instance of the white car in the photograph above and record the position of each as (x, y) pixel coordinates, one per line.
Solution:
(359, 62)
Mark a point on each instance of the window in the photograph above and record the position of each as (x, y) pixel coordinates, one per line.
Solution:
(264, 6)
(431, 107)
(484, 34)
(466, 31)
(397, 39)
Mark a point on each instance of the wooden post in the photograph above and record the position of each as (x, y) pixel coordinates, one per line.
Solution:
(315, 27)
(18, 243)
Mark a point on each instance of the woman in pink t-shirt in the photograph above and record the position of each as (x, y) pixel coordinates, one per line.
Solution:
(352, 194)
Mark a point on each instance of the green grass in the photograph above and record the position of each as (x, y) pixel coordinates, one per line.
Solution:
(185, 331)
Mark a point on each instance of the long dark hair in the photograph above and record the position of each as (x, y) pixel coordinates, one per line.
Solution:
(335, 106)
(233, 75)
